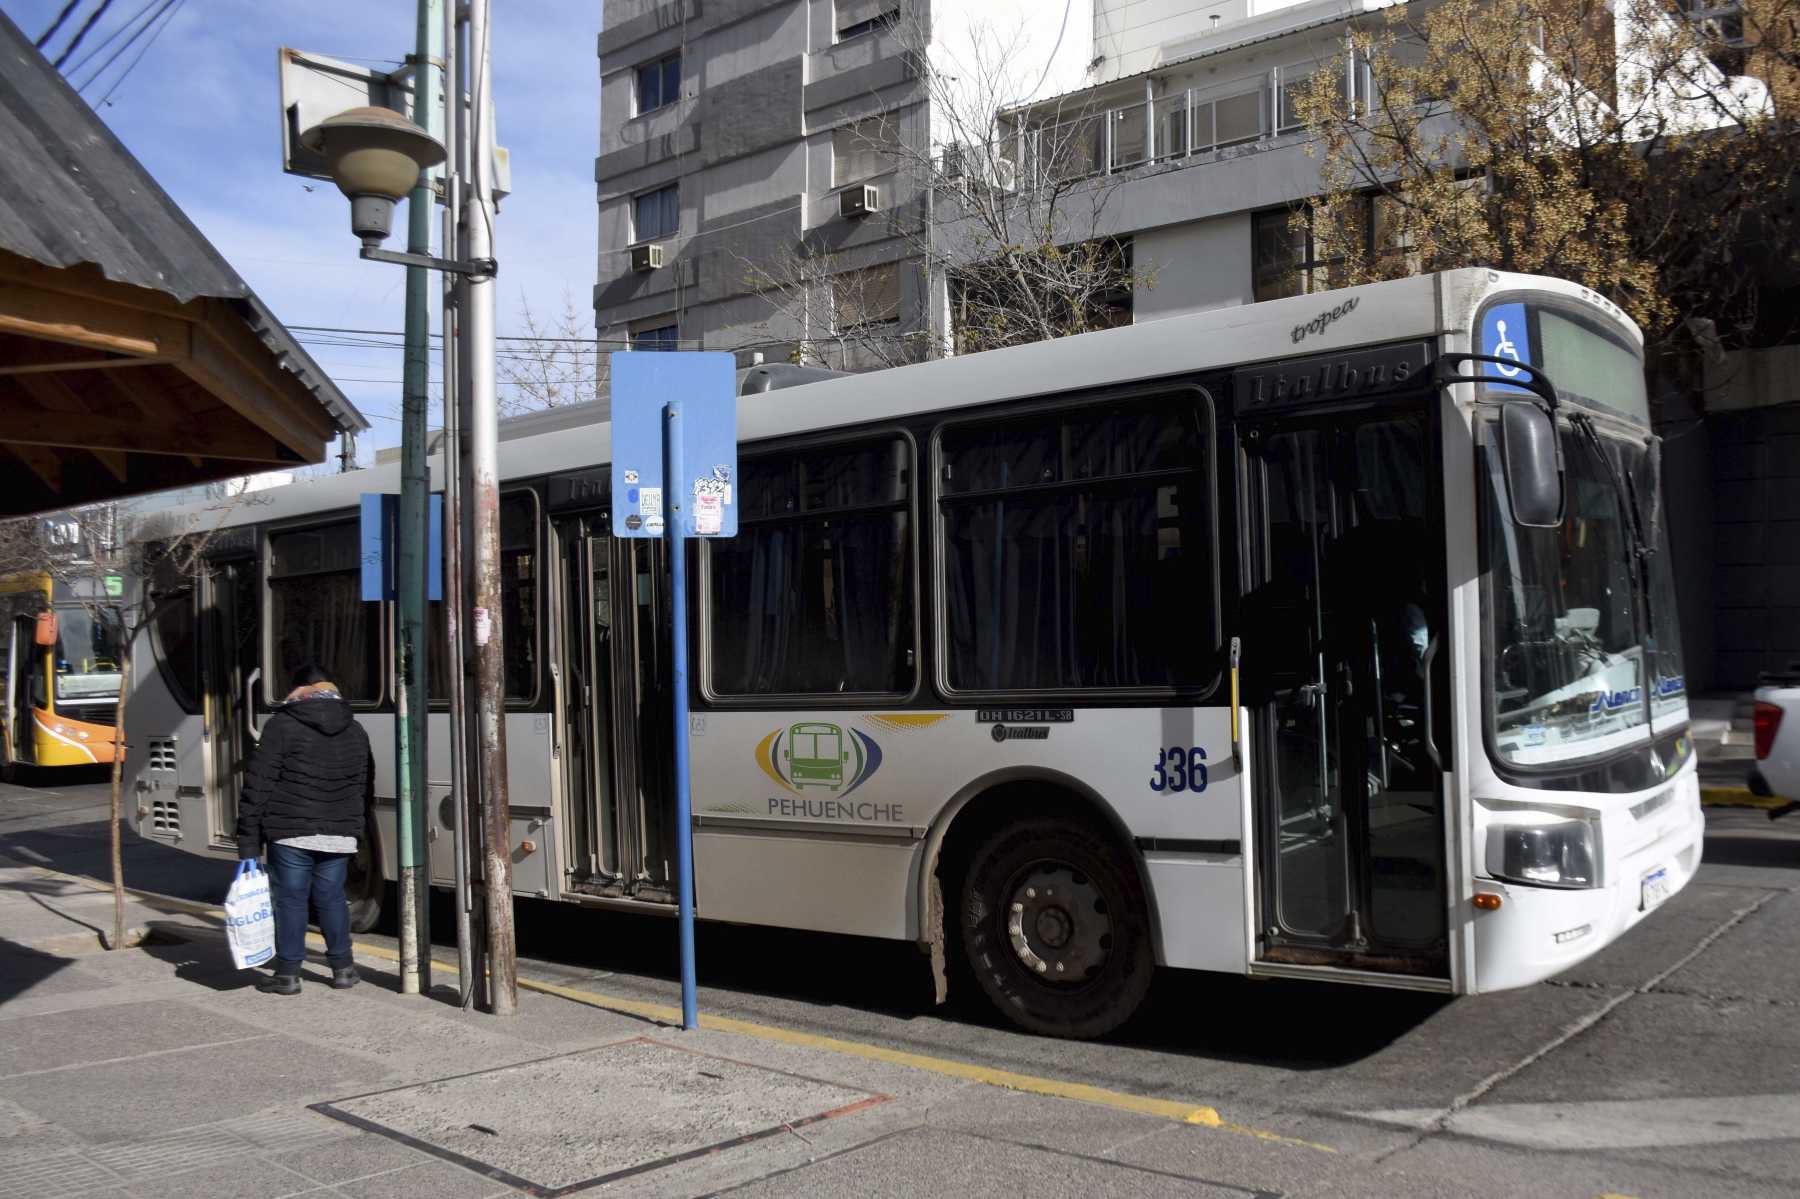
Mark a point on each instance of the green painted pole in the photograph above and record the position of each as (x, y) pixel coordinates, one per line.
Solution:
(413, 536)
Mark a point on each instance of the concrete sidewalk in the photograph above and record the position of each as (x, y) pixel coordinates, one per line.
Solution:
(159, 1071)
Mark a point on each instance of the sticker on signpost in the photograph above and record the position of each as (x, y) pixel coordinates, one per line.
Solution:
(649, 502)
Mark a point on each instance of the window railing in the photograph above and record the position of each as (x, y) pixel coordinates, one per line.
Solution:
(1167, 128)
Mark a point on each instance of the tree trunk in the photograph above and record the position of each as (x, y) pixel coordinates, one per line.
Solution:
(118, 778)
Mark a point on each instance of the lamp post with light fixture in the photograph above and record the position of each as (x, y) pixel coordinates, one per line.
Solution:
(376, 157)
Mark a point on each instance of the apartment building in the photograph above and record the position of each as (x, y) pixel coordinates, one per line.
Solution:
(742, 146)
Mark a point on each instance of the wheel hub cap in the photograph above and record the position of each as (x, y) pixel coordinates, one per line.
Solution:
(1058, 923)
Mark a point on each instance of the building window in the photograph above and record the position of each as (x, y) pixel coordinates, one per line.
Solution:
(1078, 548)
(857, 17)
(656, 214)
(815, 594)
(861, 149)
(1288, 261)
(662, 337)
(865, 298)
(658, 84)
(317, 613)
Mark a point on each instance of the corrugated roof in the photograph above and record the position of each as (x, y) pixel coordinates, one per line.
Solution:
(71, 194)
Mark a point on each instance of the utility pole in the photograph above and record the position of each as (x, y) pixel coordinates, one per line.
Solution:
(490, 673)
(413, 536)
(456, 584)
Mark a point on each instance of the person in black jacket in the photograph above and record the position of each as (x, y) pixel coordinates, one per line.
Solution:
(306, 796)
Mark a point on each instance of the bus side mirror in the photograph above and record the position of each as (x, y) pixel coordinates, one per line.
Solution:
(45, 633)
(1534, 469)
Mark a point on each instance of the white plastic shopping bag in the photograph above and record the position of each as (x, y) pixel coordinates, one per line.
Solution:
(249, 920)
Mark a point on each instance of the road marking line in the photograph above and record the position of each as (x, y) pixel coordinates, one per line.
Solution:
(1181, 1111)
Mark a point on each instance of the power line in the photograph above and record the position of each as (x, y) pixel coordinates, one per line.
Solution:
(81, 33)
(62, 16)
(130, 66)
(77, 67)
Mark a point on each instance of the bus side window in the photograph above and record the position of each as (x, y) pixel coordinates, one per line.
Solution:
(317, 611)
(815, 594)
(1079, 547)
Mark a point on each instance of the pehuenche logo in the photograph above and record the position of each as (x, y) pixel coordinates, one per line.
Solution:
(814, 753)
(1324, 320)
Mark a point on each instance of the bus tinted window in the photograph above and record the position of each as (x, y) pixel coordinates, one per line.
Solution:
(316, 610)
(519, 611)
(173, 632)
(814, 595)
(519, 592)
(1078, 549)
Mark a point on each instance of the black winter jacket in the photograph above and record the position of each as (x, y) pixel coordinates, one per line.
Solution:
(312, 773)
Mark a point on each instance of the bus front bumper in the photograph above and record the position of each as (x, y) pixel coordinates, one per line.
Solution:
(1537, 932)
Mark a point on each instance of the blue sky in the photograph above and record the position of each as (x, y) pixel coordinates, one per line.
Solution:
(201, 111)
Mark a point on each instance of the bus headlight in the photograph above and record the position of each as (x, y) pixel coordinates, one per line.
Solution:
(1562, 854)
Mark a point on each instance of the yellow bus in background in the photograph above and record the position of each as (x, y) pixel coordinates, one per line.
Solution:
(59, 666)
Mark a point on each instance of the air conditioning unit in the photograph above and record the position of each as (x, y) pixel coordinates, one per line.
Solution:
(1006, 177)
(646, 258)
(859, 201)
(955, 160)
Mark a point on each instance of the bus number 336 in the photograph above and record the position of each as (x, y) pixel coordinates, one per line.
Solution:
(1179, 769)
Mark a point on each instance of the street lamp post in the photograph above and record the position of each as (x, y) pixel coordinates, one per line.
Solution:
(376, 157)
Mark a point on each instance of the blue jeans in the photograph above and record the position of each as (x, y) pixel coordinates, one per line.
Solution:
(295, 875)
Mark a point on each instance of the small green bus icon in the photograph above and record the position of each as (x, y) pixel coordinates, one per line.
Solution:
(816, 755)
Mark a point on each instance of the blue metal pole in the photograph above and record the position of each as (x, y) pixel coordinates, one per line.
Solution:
(675, 483)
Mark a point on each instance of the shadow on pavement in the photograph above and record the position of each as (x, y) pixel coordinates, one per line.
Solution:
(1298, 1025)
(22, 968)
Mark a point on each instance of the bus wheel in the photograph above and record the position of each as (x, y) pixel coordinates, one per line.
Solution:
(363, 887)
(1056, 929)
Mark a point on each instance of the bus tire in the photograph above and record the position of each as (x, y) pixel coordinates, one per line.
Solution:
(364, 887)
(1055, 927)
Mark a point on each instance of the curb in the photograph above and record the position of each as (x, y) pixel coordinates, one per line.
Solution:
(1737, 797)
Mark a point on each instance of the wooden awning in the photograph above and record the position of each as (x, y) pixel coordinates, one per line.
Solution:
(108, 390)
(133, 358)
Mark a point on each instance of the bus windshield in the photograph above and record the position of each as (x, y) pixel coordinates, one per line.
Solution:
(1568, 623)
(87, 653)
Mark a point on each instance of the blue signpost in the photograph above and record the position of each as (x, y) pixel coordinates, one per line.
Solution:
(674, 464)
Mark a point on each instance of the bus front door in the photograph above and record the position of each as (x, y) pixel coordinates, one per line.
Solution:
(608, 717)
(231, 649)
(1343, 602)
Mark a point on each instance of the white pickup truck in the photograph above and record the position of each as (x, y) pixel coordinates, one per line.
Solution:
(1777, 769)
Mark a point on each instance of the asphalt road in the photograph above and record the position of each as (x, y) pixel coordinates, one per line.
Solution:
(1669, 1064)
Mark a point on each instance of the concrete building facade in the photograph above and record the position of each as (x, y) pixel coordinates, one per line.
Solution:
(733, 130)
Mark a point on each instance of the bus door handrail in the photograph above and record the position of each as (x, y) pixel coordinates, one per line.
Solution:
(250, 681)
(1431, 749)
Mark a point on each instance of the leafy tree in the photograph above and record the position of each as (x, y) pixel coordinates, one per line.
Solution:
(1597, 142)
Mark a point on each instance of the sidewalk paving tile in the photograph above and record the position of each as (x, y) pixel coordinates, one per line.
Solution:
(176, 1090)
(631, 1106)
(246, 1178)
(57, 1174)
(360, 1155)
(74, 1038)
(438, 1180)
(942, 1162)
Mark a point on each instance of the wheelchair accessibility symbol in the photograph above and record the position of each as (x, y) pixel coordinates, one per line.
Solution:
(1506, 348)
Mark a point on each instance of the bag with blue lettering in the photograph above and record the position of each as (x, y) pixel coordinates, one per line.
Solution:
(249, 919)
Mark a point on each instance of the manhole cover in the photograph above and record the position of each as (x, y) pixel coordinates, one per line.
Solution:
(562, 1124)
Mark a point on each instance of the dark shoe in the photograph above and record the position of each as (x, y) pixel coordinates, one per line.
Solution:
(280, 984)
(345, 978)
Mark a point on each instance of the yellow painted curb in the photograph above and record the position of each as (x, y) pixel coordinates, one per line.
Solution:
(1167, 1109)
(1181, 1111)
(1737, 797)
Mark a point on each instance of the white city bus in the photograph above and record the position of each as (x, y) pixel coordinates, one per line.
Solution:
(966, 675)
